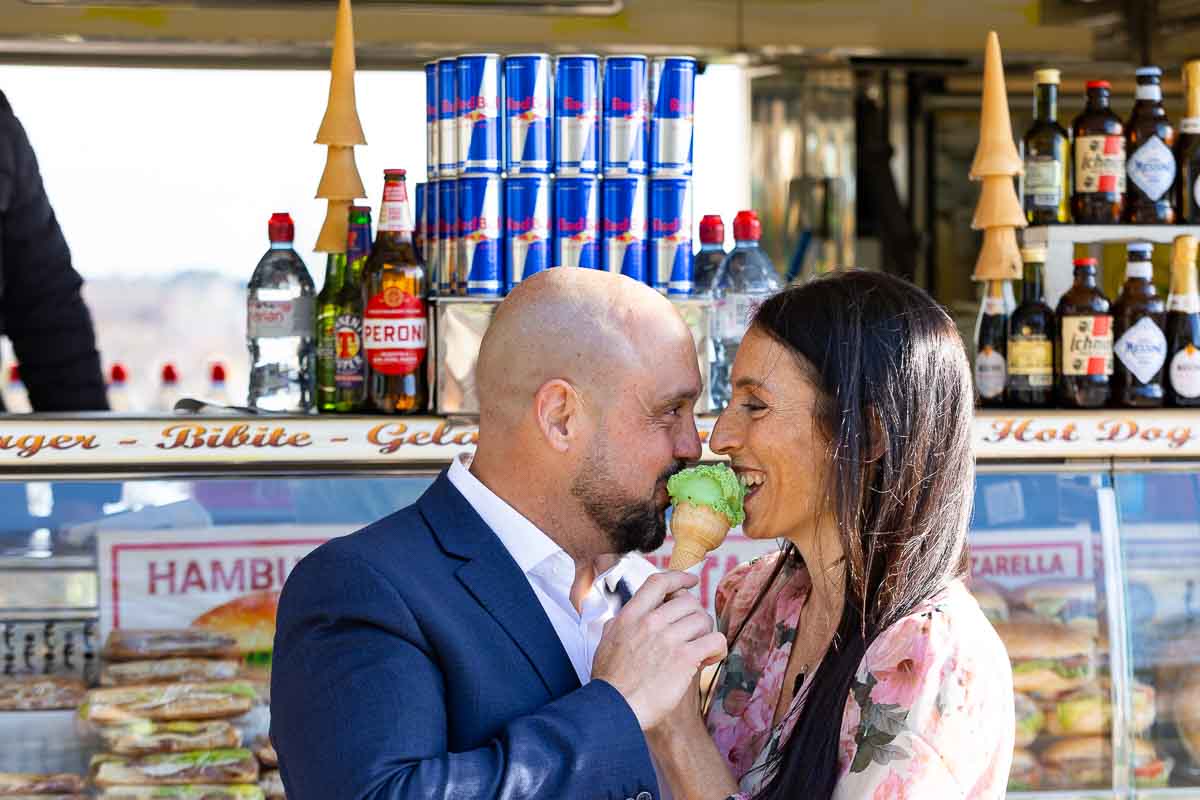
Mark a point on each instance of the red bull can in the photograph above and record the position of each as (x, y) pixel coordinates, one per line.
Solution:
(623, 226)
(528, 111)
(431, 120)
(478, 100)
(670, 237)
(447, 118)
(626, 115)
(672, 117)
(527, 227)
(480, 238)
(576, 222)
(447, 276)
(419, 227)
(577, 115)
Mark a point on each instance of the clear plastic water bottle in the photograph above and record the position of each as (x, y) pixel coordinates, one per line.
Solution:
(168, 389)
(119, 397)
(280, 326)
(744, 280)
(708, 260)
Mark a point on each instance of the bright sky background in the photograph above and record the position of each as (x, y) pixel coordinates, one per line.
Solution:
(154, 171)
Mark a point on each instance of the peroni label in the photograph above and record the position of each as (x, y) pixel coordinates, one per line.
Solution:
(394, 332)
(1143, 349)
(1185, 372)
(348, 351)
(1087, 345)
(1100, 164)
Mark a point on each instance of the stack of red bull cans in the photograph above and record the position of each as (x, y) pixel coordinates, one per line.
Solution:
(536, 162)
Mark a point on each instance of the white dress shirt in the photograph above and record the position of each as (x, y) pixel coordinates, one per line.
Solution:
(551, 572)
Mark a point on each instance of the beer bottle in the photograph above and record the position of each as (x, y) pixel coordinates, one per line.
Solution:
(1031, 339)
(1183, 327)
(327, 314)
(1141, 345)
(1150, 167)
(1085, 341)
(394, 315)
(1187, 150)
(1098, 186)
(358, 247)
(1047, 157)
(991, 337)
(350, 366)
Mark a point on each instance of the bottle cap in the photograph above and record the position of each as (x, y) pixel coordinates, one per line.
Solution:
(14, 373)
(712, 229)
(117, 373)
(394, 173)
(1086, 262)
(1099, 85)
(1033, 255)
(361, 209)
(746, 226)
(1047, 76)
(217, 372)
(281, 228)
(1148, 72)
(169, 375)
(1139, 251)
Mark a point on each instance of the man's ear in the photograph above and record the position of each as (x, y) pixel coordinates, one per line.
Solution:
(556, 409)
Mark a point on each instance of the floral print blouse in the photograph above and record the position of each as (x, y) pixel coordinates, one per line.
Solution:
(929, 714)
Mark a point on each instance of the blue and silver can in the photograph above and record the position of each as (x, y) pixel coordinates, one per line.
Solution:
(577, 115)
(528, 114)
(623, 226)
(431, 120)
(626, 115)
(527, 227)
(479, 127)
(672, 117)
(576, 222)
(480, 238)
(447, 118)
(419, 223)
(670, 237)
(447, 276)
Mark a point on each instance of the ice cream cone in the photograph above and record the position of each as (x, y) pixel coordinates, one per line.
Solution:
(332, 238)
(1000, 257)
(341, 125)
(340, 178)
(997, 152)
(697, 530)
(998, 205)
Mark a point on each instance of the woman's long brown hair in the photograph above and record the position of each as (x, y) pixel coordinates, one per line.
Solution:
(895, 405)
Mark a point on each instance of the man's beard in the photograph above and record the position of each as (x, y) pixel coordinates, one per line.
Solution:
(631, 523)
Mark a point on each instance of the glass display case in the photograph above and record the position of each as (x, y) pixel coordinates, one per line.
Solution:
(1084, 552)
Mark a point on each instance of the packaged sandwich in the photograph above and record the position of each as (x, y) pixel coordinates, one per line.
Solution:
(1030, 719)
(1048, 658)
(1026, 773)
(168, 702)
(272, 785)
(1066, 602)
(26, 783)
(1088, 711)
(235, 765)
(1086, 762)
(249, 619)
(143, 737)
(233, 791)
(264, 751)
(168, 670)
(139, 645)
(40, 693)
(991, 600)
(1185, 703)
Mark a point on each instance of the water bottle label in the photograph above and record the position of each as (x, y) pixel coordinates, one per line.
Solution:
(268, 319)
(734, 314)
(990, 373)
(394, 332)
(1185, 372)
(348, 351)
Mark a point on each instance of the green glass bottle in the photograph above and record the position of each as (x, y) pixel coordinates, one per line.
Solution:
(328, 310)
(1047, 148)
(351, 368)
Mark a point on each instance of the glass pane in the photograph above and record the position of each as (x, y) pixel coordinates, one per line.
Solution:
(1160, 545)
(1037, 569)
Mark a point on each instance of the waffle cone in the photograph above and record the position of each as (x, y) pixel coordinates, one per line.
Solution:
(341, 125)
(340, 178)
(336, 229)
(998, 205)
(697, 530)
(1000, 257)
(997, 152)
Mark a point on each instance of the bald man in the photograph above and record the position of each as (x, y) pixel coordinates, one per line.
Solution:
(501, 637)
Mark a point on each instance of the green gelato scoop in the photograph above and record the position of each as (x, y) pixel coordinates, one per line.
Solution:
(715, 486)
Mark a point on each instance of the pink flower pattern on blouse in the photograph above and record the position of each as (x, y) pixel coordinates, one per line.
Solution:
(930, 712)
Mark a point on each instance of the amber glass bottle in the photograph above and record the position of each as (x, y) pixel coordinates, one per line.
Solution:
(1031, 340)
(1141, 347)
(1085, 341)
(1098, 185)
(1150, 162)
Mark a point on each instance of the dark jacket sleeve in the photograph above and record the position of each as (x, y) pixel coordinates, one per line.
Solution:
(41, 306)
(358, 711)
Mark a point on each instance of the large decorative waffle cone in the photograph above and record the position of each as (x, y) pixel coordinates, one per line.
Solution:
(998, 205)
(341, 125)
(1000, 257)
(997, 152)
(336, 229)
(697, 530)
(340, 178)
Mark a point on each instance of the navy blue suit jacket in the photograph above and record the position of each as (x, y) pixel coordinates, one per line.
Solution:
(413, 660)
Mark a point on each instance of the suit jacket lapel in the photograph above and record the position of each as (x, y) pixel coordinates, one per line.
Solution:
(492, 576)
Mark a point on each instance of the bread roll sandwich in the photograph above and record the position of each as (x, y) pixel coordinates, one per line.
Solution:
(234, 765)
(140, 645)
(1047, 658)
(232, 791)
(1026, 773)
(1065, 602)
(1030, 719)
(1185, 705)
(168, 702)
(168, 670)
(249, 620)
(144, 737)
(1086, 762)
(991, 601)
(264, 751)
(1088, 711)
(26, 783)
(40, 693)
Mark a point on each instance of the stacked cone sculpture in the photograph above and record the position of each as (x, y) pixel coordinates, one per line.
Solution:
(340, 131)
(997, 162)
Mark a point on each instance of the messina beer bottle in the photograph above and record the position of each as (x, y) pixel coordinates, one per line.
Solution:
(1098, 192)
(1141, 346)
(1187, 150)
(1150, 164)
(395, 317)
(1183, 327)
(1085, 341)
(1046, 193)
(1031, 340)
(991, 337)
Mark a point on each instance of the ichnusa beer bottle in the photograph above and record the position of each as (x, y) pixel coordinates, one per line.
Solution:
(1098, 193)
(1085, 341)
(394, 316)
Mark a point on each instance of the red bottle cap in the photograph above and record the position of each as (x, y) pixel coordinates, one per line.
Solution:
(117, 373)
(1086, 262)
(14, 373)
(746, 226)
(217, 373)
(394, 173)
(281, 228)
(1099, 85)
(169, 375)
(712, 229)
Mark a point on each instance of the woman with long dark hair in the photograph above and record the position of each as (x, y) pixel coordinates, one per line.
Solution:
(859, 666)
